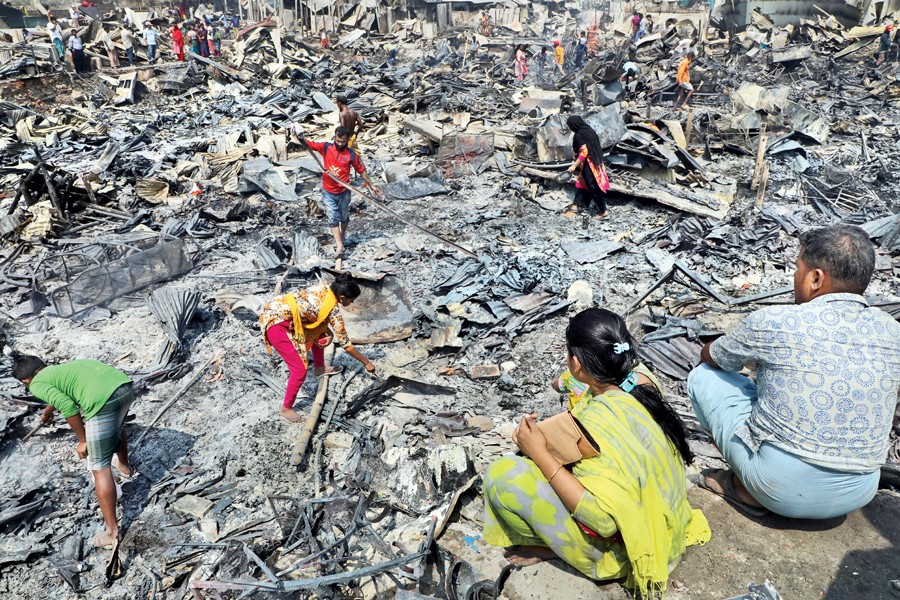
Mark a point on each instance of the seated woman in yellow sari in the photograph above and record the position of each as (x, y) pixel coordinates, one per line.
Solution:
(621, 513)
(295, 324)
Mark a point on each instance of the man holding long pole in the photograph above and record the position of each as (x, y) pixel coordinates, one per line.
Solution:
(339, 159)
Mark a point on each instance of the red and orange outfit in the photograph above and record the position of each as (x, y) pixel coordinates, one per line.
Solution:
(294, 324)
(585, 193)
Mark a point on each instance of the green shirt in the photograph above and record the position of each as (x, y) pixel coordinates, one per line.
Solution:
(77, 386)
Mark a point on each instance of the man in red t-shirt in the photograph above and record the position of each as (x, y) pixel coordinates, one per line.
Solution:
(338, 161)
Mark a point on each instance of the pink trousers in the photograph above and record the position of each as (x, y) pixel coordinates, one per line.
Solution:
(280, 338)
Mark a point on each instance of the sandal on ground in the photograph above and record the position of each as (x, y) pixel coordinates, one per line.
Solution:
(730, 493)
(601, 216)
(123, 478)
(128, 478)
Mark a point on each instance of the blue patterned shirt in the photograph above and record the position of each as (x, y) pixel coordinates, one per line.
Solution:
(828, 373)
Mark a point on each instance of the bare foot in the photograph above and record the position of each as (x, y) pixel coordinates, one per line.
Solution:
(601, 216)
(105, 539)
(290, 415)
(524, 556)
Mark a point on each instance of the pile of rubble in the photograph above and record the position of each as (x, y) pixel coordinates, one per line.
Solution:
(146, 227)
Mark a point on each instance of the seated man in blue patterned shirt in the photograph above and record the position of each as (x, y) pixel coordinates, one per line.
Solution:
(808, 439)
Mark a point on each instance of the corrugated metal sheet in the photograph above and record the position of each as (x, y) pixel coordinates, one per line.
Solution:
(783, 12)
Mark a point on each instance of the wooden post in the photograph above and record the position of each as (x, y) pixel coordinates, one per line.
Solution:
(89, 189)
(51, 189)
(315, 412)
(764, 179)
(688, 127)
(760, 153)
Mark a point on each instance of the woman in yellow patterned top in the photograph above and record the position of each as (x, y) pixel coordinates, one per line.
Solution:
(620, 514)
(295, 324)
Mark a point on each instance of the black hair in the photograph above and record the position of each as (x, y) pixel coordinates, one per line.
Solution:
(341, 131)
(342, 99)
(845, 252)
(345, 285)
(591, 337)
(26, 366)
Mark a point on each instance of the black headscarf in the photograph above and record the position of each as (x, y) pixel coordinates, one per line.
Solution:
(585, 136)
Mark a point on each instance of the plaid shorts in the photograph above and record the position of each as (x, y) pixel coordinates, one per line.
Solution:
(102, 431)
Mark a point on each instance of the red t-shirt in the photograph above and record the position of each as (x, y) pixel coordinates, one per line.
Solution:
(338, 163)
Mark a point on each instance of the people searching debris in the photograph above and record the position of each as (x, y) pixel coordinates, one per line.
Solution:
(580, 50)
(884, 43)
(297, 324)
(127, 36)
(391, 49)
(107, 43)
(591, 183)
(338, 158)
(808, 439)
(559, 56)
(541, 60)
(487, 27)
(177, 41)
(215, 40)
(94, 399)
(630, 70)
(683, 79)
(76, 47)
(56, 37)
(520, 64)
(202, 40)
(193, 39)
(150, 36)
(647, 24)
(556, 501)
(350, 120)
(636, 27)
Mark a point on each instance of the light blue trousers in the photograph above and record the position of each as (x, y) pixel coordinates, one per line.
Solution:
(780, 481)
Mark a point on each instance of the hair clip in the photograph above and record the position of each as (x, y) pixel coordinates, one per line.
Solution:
(620, 348)
(629, 383)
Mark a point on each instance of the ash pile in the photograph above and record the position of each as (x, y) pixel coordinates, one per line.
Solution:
(149, 213)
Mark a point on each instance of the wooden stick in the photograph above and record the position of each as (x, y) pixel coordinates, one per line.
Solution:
(315, 412)
(88, 189)
(33, 431)
(760, 153)
(764, 179)
(22, 191)
(176, 396)
(378, 204)
(688, 127)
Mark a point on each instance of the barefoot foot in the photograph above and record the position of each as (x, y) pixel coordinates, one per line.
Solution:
(290, 415)
(105, 539)
(524, 556)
